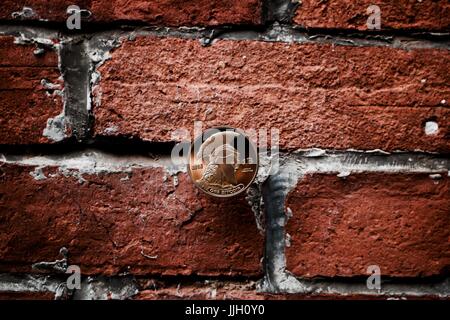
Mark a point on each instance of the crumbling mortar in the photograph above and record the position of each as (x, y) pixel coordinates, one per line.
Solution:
(91, 161)
(98, 50)
(282, 11)
(273, 32)
(75, 70)
(125, 287)
(94, 161)
(62, 292)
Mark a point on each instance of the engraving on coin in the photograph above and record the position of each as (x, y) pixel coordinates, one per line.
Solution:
(223, 162)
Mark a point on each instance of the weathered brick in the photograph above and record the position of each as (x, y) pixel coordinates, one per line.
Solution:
(318, 95)
(339, 227)
(235, 292)
(351, 14)
(154, 12)
(26, 295)
(25, 104)
(137, 222)
(201, 291)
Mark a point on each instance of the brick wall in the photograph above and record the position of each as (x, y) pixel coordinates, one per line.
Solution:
(89, 118)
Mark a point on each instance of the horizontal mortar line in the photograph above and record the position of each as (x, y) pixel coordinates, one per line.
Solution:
(46, 282)
(120, 25)
(92, 161)
(271, 34)
(411, 32)
(401, 287)
(404, 44)
(361, 162)
(370, 152)
(291, 35)
(342, 287)
(328, 168)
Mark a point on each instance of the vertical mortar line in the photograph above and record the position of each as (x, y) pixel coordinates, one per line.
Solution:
(274, 233)
(75, 71)
(274, 192)
(281, 11)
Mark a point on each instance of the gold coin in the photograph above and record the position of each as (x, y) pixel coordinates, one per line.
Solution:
(223, 162)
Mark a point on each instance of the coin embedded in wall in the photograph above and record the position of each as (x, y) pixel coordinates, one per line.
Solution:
(223, 162)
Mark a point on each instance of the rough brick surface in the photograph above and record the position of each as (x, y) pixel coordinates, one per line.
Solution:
(201, 291)
(400, 222)
(155, 12)
(135, 222)
(234, 291)
(242, 292)
(317, 95)
(25, 105)
(395, 14)
(25, 295)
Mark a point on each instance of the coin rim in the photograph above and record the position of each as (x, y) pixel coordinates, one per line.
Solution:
(214, 194)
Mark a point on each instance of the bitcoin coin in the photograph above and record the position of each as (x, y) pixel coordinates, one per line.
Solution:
(223, 162)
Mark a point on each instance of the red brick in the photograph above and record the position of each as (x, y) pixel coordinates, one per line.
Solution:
(236, 292)
(199, 291)
(155, 12)
(25, 105)
(318, 95)
(400, 222)
(26, 295)
(109, 223)
(395, 14)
